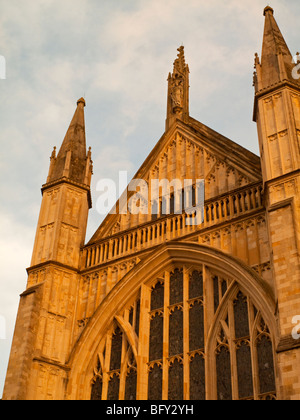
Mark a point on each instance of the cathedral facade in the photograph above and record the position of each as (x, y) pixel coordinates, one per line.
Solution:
(161, 304)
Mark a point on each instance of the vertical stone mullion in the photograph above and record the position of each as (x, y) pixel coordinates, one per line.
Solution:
(210, 359)
(252, 329)
(143, 350)
(166, 337)
(232, 346)
(186, 364)
(106, 366)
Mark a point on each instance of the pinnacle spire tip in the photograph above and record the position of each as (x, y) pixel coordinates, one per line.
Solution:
(81, 101)
(268, 9)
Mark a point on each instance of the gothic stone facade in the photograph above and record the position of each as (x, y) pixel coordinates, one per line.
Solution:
(154, 308)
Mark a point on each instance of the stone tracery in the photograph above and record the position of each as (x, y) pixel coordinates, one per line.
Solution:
(204, 330)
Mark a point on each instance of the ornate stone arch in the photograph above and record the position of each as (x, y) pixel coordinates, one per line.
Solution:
(223, 334)
(137, 285)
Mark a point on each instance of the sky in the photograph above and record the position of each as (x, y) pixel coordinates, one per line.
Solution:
(116, 54)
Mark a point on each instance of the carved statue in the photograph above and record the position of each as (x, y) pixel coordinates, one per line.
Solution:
(177, 94)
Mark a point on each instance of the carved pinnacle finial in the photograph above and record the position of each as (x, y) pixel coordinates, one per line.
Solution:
(89, 153)
(179, 63)
(268, 9)
(81, 101)
(178, 90)
(53, 156)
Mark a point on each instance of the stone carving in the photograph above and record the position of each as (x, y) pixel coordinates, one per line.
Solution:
(177, 81)
(177, 95)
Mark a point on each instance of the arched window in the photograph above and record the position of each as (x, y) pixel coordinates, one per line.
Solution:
(243, 352)
(115, 374)
(199, 335)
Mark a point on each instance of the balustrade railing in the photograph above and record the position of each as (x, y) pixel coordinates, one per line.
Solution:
(220, 210)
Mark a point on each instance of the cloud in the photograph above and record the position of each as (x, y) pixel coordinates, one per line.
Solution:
(16, 243)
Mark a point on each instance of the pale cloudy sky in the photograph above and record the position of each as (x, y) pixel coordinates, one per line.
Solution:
(116, 53)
